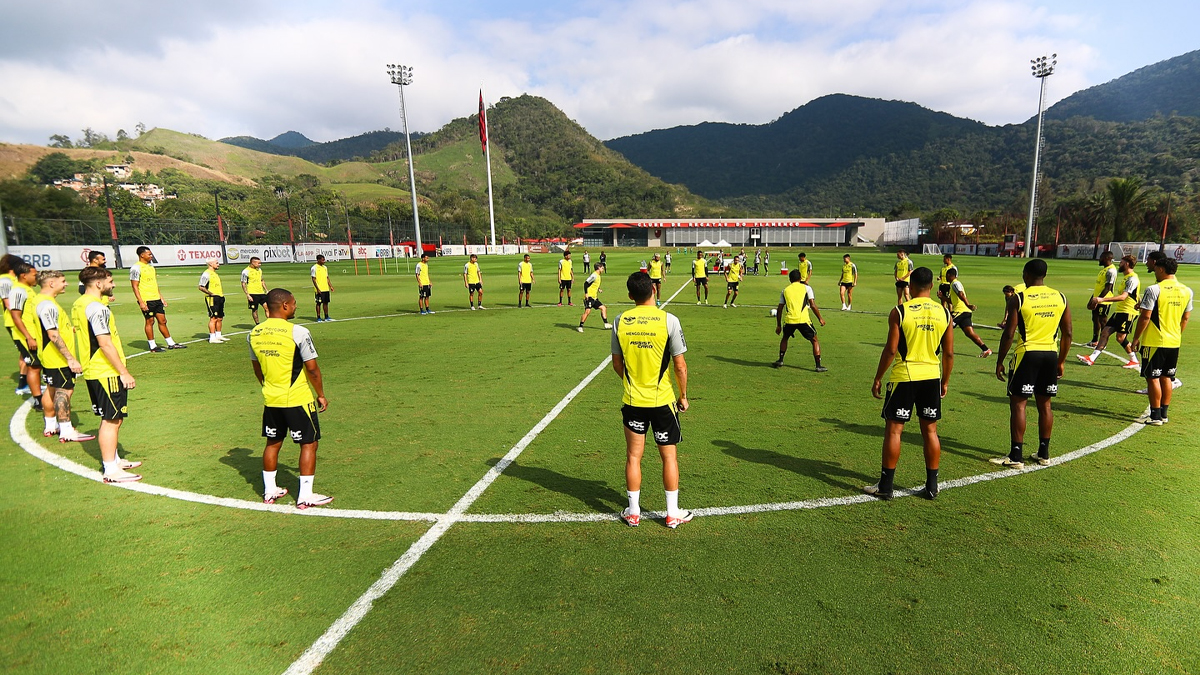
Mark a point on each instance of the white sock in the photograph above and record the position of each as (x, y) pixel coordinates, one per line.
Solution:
(66, 429)
(219, 336)
(170, 341)
(51, 423)
(152, 345)
(634, 498)
(111, 467)
(269, 481)
(672, 502)
(305, 488)
(1095, 355)
(1133, 357)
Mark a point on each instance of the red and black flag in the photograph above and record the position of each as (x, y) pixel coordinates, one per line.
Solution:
(482, 123)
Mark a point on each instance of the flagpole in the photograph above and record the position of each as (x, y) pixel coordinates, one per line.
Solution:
(487, 152)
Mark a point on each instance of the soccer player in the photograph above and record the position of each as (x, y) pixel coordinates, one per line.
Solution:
(214, 300)
(767, 262)
(103, 360)
(1122, 319)
(667, 263)
(255, 287)
(961, 310)
(424, 285)
(591, 297)
(847, 282)
(902, 270)
(24, 329)
(57, 354)
(525, 280)
(919, 332)
(805, 267)
(144, 279)
(587, 262)
(95, 259)
(645, 339)
(603, 258)
(322, 286)
(473, 281)
(565, 276)
(1106, 280)
(1043, 318)
(757, 260)
(7, 279)
(32, 325)
(279, 351)
(700, 276)
(656, 277)
(733, 275)
(1165, 309)
(943, 284)
(792, 315)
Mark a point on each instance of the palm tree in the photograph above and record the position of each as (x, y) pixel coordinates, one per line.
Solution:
(1128, 203)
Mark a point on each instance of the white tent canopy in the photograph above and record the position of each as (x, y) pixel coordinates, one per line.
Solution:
(705, 243)
(722, 244)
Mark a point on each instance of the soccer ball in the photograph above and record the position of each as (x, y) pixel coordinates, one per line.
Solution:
(774, 312)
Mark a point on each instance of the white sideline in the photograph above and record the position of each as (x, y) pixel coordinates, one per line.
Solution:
(312, 657)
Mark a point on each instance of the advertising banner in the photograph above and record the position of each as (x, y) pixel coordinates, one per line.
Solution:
(60, 257)
(964, 249)
(368, 251)
(174, 256)
(270, 253)
(1077, 251)
(1184, 253)
(987, 249)
(308, 252)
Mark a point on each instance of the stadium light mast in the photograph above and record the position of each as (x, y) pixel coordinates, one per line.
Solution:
(1042, 68)
(402, 75)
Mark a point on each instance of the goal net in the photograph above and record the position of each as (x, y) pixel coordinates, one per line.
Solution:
(931, 249)
(1137, 249)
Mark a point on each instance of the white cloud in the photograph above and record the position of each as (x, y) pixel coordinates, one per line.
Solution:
(264, 67)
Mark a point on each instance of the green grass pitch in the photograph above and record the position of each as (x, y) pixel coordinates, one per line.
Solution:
(1085, 567)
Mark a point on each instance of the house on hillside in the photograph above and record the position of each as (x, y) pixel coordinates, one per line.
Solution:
(118, 170)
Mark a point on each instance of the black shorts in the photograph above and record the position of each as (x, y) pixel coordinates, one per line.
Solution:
(322, 297)
(901, 284)
(1159, 362)
(299, 422)
(257, 300)
(702, 281)
(1034, 374)
(944, 290)
(30, 358)
(806, 330)
(846, 284)
(1102, 309)
(526, 287)
(110, 398)
(592, 303)
(656, 282)
(903, 397)
(731, 285)
(58, 378)
(425, 292)
(216, 306)
(153, 307)
(471, 288)
(564, 283)
(963, 320)
(1120, 323)
(662, 420)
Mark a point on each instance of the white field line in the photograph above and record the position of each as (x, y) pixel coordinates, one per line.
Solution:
(312, 657)
(1122, 359)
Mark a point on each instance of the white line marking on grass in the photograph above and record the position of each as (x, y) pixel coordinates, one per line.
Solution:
(312, 657)
(1122, 359)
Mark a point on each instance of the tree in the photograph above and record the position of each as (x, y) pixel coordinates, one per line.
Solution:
(121, 135)
(1128, 204)
(61, 141)
(52, 167)
(140, 129)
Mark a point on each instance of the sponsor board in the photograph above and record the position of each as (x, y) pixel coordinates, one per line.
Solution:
(1184, 253)
(308, 252)
(271, 253)
(964, 249)
(60, 257)
(987, 249)
(174, 256)
(1078, 251)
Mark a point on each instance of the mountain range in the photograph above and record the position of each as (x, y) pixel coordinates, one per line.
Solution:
(296, 144)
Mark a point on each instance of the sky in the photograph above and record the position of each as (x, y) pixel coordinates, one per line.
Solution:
(618, 67)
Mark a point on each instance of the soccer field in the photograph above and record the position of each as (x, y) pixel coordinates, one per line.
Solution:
(476, 459)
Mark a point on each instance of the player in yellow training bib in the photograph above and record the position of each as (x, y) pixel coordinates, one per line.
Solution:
(7, 279)
(473, 281)
(284, 360)
(254, 287)
(847, 282)
(424, 284)
(59, 365)
(214, 300)
(1122, 319)
(144, 279)
(791, 316)
(1040, 316)
(524, 280)
(647, 342)
(700, 276)
(656, 277)
(961, 310)
(733, 275)
(921, 338)
(565, 276)
(591, 296)
(1164, 309)
(23, 337)
(1106, 281)
(943, 293)
(323, 287)
(902, 270)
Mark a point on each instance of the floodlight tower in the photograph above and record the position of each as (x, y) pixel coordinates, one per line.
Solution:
(402, 75)
(1042, 68)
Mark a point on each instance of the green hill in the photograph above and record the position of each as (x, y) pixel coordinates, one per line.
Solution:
(1170, 87)
(297, 145)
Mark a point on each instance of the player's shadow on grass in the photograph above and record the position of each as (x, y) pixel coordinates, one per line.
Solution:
(571, 326)
(950, 444)
(92, 448)
(249, 465)
(199, 335)
(1058, 405)
(822, 470)
(741, 362)
(595, 493)
(1090, 385)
